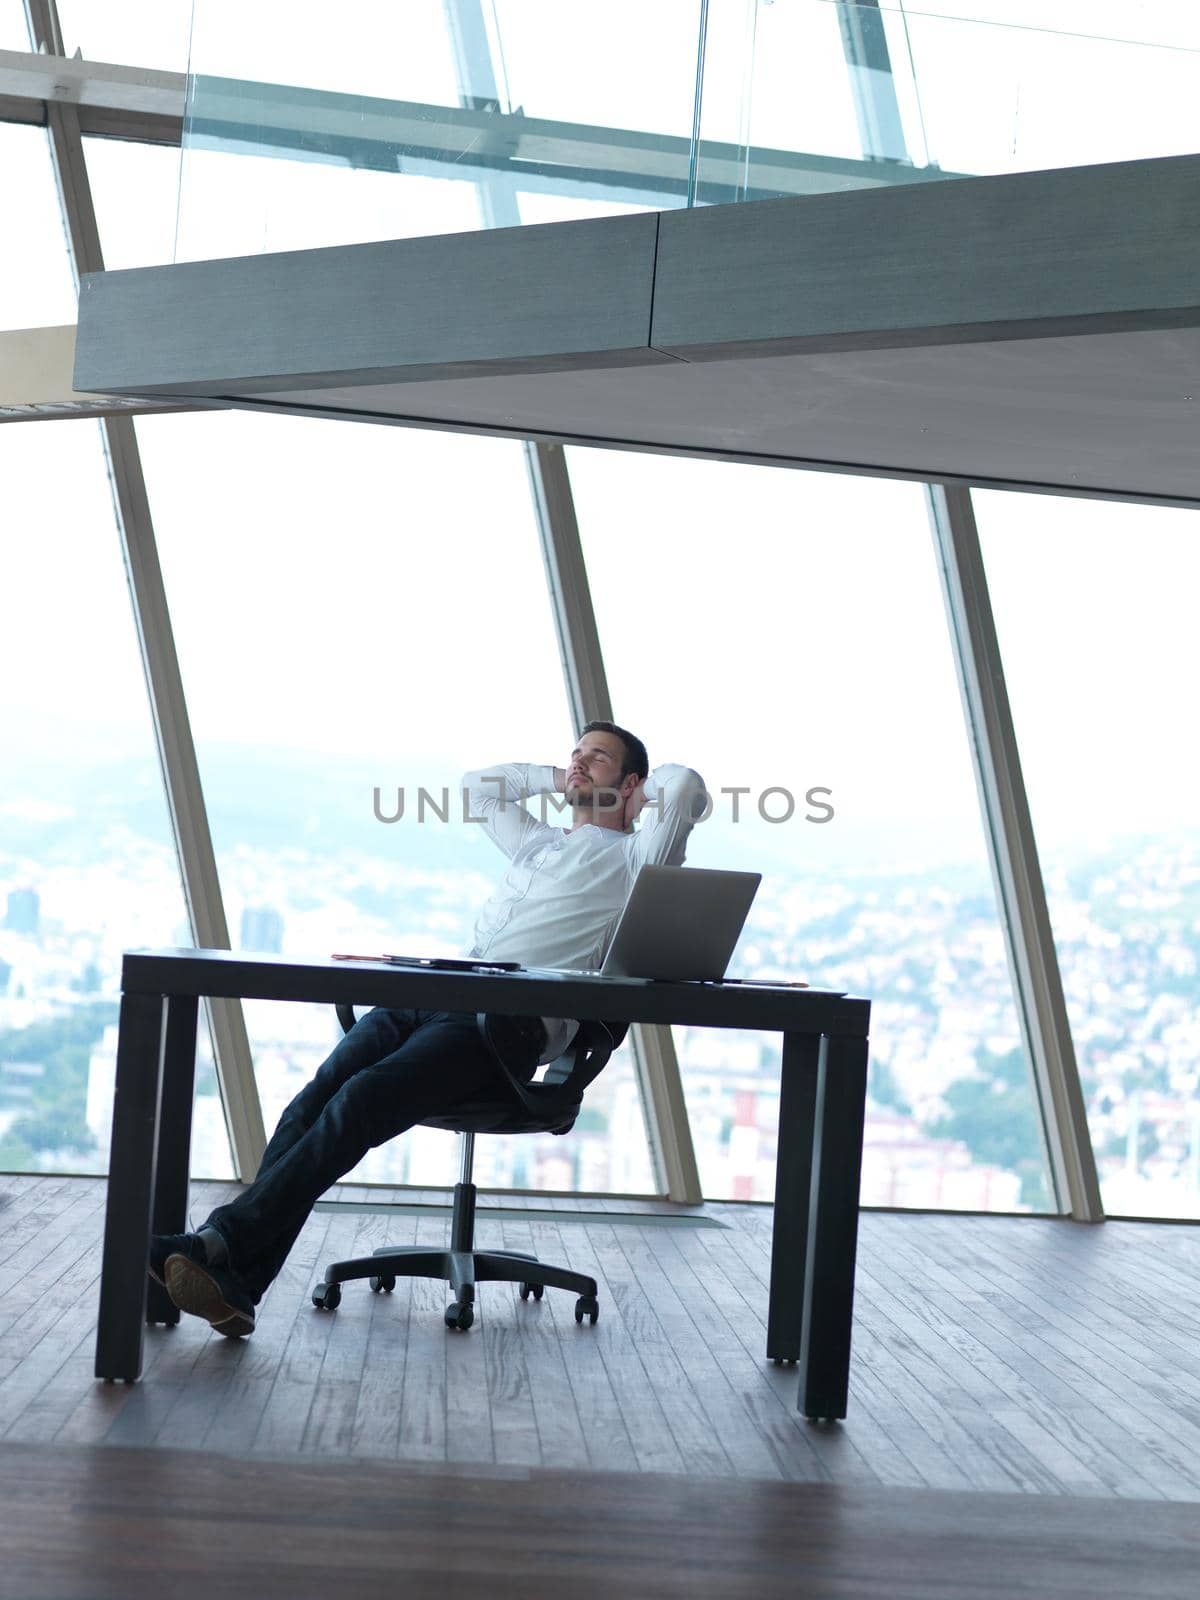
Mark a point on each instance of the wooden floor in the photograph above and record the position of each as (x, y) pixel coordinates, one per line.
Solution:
(1014, 1355)
(104, 1524)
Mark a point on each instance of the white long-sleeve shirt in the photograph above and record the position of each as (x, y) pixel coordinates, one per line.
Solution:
(565, 888)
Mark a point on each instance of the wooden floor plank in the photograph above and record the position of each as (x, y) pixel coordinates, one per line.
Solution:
(424, 1416)
(377, 1412)
(1060, 1378)
(516, 1437)
(668, 1346)
(1024, 1354)
(621, 1349)
(948, 1403)
(1062, 1274)
(1088, 1350)
(299, 1333)
(49, 1406)
(52, 1312)
(708, 1351)
(805, 1451)
(469, 1415)
(604, 1415)
(27, 1202)
(560, 1434)
(329, 1429)
(119, 1524)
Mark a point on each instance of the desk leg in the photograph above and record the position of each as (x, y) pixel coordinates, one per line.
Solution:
(174, 1138)
(833, 1228)
(130, 1187)
(793, 1181)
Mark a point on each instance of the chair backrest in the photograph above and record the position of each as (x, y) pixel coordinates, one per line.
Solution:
(586, 1057)
(548, 1106)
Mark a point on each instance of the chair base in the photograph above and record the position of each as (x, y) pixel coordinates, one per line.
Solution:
(462, 1269)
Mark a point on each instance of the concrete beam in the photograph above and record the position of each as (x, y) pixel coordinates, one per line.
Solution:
(36, 365)
(1037, 330)
(66, 80)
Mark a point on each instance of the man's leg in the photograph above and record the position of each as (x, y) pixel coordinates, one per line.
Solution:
(375, 1039)
(377, 1034)
(354, 1104)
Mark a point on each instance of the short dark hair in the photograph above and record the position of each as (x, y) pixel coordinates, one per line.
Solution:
(636, 759)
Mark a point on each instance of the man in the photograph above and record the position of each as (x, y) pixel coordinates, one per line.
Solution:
(557, 906)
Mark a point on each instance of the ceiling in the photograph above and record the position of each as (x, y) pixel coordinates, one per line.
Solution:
(1035, 329)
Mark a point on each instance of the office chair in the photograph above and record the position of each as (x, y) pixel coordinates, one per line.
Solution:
(547, 1106)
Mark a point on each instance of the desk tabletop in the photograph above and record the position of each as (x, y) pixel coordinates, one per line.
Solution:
(323, 981)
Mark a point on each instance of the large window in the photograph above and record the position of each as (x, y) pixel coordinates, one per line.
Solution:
(14, 35)
(354, 132)
(36, 289)
(141, 234)
(142, 33)
(356, 609)
(87, 867)
(1095, 610)
(784, 634)
(246, 195)
(1023, 85)
(362, 610)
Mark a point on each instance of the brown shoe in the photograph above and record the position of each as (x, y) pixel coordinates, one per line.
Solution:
(209, 1292)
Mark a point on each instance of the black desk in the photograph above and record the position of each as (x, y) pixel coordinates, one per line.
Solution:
(822, 1096)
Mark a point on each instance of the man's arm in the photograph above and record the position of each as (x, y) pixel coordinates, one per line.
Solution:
(669, 803)
(492, 796)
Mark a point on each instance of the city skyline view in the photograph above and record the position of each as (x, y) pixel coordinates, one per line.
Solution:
(926, 948)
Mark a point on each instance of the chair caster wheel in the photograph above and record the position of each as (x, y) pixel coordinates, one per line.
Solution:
(383, 1283)
(327, 1296)
(587, 1306)
(459, 1316)
(537, 1290)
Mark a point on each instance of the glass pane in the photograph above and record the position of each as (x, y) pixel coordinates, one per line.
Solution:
(786, 637)
(994, 97)
(139, 33)
(296, 136)
(1095, 609)
(1173, 23)
(637, 71)
(36, 288)
(14, 35)
(755, 130)
(134, 189)
(360, 612)
(87, 867)
(293, 139)
(806, 96)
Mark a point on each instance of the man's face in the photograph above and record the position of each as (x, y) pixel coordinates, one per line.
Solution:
(594, 771)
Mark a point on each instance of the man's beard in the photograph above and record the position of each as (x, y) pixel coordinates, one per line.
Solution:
(592, 797)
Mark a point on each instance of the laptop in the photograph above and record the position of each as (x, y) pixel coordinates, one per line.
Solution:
(680, 923)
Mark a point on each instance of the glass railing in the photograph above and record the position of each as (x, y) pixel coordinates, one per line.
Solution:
(310, 125)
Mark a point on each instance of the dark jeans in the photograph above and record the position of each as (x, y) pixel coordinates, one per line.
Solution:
(393, 1069)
